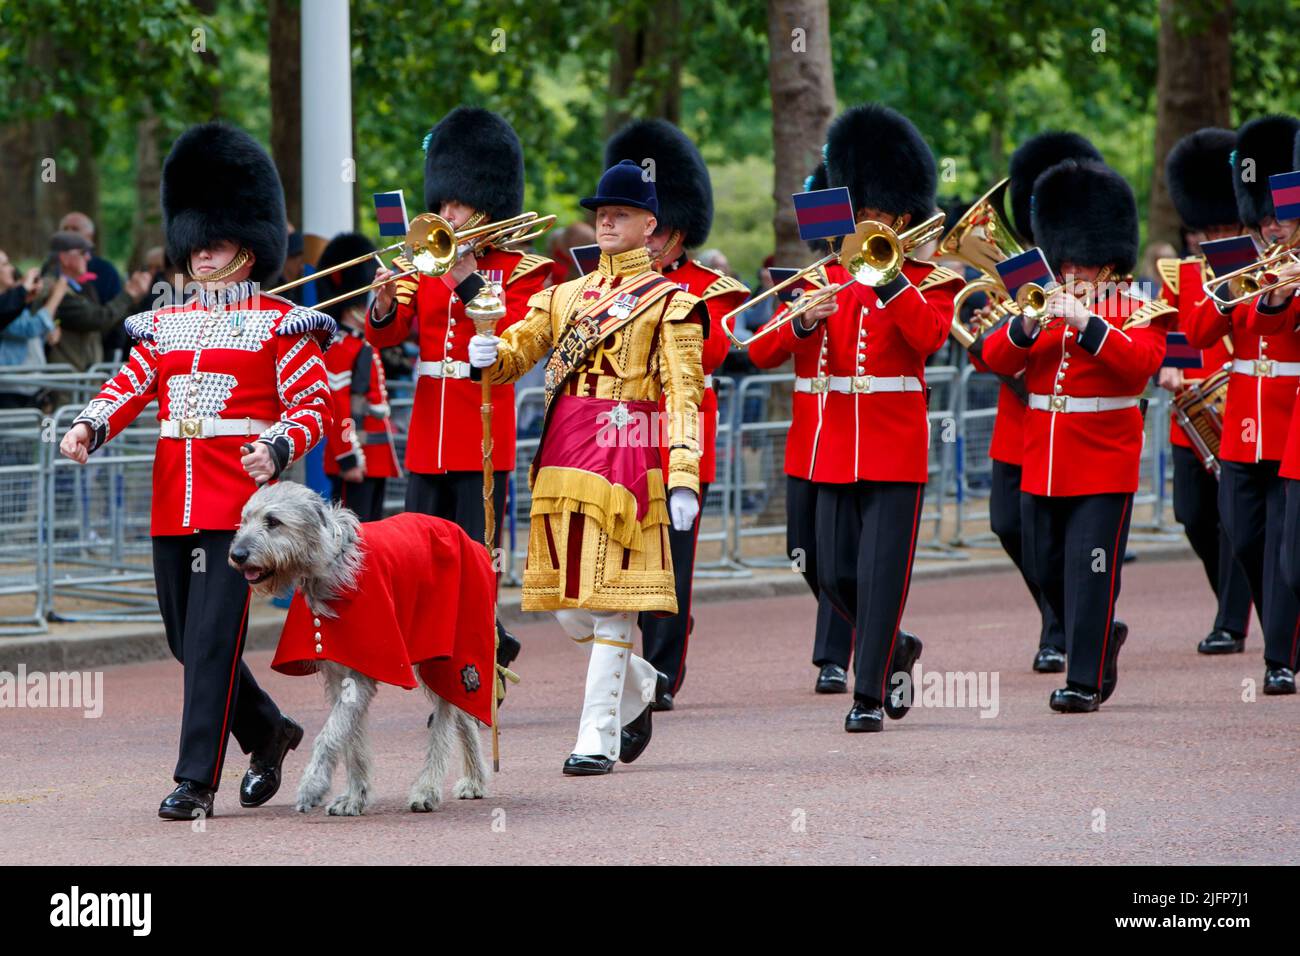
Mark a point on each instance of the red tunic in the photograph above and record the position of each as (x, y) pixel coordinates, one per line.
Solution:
(1257, 414)
(1077, 452)
(446, 431)
(423, 603)
(721, 294)
(354, 368)
(1191, 290)
(1283, 324)
(1008, 444)
(257, 357)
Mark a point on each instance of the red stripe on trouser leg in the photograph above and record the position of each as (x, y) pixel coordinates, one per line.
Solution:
(230, 691)
(907, 583)
(1115, 559)
(573, 557)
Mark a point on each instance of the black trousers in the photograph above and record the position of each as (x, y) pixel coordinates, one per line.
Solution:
(833, 639)
(1252, 507)
(204, 604)
(1196, 506)
(664, 637)
(457, 496)
(1004, 518)
(866, 542)
(364, 497)
(1074, 550)
(1291, 538)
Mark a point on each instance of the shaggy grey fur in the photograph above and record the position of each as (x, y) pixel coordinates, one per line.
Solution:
(293, 538)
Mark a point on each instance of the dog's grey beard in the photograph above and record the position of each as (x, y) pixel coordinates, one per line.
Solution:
(335, 572)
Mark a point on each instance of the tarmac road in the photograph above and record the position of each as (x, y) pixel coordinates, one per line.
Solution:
(751, 767)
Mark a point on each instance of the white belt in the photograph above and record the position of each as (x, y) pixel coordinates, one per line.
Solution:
(858, 384)
(1069, 403)
(708, 381)
(1265, 368)
(447, 368)
(211, 427)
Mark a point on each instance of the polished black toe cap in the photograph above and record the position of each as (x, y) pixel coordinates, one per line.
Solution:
(584, 765)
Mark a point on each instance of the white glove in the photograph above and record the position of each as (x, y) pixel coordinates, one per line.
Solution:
(483, 350)
(684, 508)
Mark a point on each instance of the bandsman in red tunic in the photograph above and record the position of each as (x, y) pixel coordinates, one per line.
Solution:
(1260, 403)
(872, 458)
(242, 393)
(1198, 173)
(359, 457)
(685, 195)
(473, 174)
(1085, 373)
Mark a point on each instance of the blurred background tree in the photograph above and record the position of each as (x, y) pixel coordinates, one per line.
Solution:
(91, 93)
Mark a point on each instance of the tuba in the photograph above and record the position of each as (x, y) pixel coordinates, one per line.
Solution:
(982, 238)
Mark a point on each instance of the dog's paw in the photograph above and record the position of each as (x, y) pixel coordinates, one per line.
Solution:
(309, 799)
(425, 800)
(347, 805)
(467, 789)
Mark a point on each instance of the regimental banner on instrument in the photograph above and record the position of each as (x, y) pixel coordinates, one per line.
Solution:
(1229, 255)
(1285, 188)
(1181, 354)
(585, 258)
(1021, 270)
(792, 291)
(390, 212)
(824, 213)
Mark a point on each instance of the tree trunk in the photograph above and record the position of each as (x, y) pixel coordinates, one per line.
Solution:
(803, 102)
(19, 236)
(285, 48)
(67, 176)
(646, 40)
(1193, 90)
(147, 226)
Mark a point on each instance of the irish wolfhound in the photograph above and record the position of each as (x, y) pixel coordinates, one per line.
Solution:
(289, 537)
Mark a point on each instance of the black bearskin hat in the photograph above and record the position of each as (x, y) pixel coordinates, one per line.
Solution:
(879, 155)
(344, 246)
(1269, 143)
(682, 181)
(219, 183)
(1198, 173)
(1031, 159)
(473, 156)
(1085, 213)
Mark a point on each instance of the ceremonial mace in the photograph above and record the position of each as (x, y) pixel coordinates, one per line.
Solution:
(484, 310)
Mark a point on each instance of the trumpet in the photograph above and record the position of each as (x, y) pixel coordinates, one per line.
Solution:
(1257, 279)
(872, 255)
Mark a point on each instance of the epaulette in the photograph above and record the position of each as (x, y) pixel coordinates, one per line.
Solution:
(528, 264)
(724, 285)
(140, 326)
(1148, 313)
(938, 276)
(680, 306)
(300, 320)
(1168, 269)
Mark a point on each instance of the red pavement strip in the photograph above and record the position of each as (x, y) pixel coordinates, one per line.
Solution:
(751, 767)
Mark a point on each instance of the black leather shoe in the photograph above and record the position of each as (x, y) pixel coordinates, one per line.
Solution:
(832, 679)
(580, 765)
(508, 649)
(663, 696)
(906, 653)
(1221, 642)
(1069, 700)
(263, 777)
(188, 801)
(1279, 680)
(636, 733)
(1049, 660)
(1110, 673)
(864, 719)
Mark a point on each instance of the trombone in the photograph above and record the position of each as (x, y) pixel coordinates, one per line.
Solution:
(433, 246)
(872, 255)
(1256, 279)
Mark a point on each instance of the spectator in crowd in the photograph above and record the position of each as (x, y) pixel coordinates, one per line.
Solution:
(107, 281)
(82, 318)
(22, 341)
(304, 294)
(714, 259)
(15, 295)
(1148, 277)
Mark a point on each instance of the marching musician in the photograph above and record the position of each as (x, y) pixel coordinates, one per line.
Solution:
(359, 457)
(685, 195)
(833, 636)
(871, 461)
(1198, 172)
(1260, 402)
(1085, 373)
(473, 175)
(242, 393)
(598, 552)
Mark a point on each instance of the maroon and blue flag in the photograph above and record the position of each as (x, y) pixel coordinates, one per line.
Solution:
(1179, 353)
(1020, 270)
(1286, 194)
(390, 212)
(585, 257)
(824, 213)
(1229, 255)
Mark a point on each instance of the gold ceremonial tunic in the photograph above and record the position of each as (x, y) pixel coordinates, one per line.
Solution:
(598, 536)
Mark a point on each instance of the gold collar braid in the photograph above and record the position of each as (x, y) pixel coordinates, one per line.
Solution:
(630, 263)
